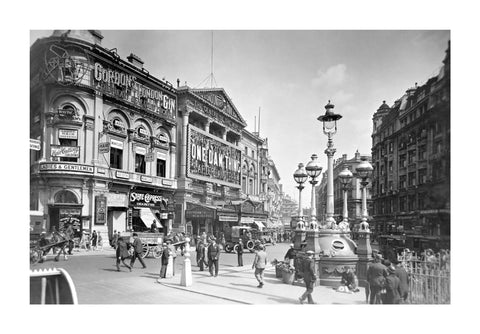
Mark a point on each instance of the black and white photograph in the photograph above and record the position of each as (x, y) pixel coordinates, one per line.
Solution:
(252, 169)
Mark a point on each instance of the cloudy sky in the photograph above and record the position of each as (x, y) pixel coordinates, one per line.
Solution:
(289, 75)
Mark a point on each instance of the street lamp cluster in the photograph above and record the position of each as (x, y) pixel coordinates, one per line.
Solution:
(313, 170)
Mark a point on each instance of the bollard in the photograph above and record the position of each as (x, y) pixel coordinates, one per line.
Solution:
(186, 279)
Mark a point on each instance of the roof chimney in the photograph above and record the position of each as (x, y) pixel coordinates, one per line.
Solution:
(135, 60)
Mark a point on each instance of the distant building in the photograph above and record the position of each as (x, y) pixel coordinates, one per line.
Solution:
(411, 160)
(354, 192)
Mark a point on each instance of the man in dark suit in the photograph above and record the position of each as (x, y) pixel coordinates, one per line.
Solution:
(403, 276)
(137, 251)
(376, 275)
(392, 285)
(309, 278)
(240, 252)
(213, 254)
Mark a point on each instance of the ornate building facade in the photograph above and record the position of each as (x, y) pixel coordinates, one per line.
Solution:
(411, 159)
(106, 135)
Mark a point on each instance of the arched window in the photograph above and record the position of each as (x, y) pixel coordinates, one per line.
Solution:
(65, 197)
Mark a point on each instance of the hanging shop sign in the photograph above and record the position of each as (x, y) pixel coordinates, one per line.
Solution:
(139, 198)
(67, 134)
(35, 144)
(210, 159)
(127, 87)
(66, 167)
(65, 151)
(100, 210)
(224, 218)
(104, 147)
(150, 156)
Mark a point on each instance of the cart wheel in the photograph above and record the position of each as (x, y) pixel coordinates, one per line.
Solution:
(228, 248)
(145, 251)
(35, 255)
(235, 248)
(250, 245)
(157, 252)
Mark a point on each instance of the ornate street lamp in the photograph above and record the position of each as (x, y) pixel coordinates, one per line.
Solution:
(364, 171)
(329, 121)
(300, 176)
(313, 170)
(346, 177)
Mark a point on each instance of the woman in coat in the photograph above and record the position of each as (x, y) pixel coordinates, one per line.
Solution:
(122, 253)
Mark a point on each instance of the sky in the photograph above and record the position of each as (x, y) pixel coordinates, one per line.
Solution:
(284, 78)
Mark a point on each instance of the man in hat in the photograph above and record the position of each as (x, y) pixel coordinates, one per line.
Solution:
(172, 251)
(200, 254)
(240, 252)
(309, 278)
(290, 255)
(392, 285)
(259, 264)
(137, 251)
(376, 275)
(213, 255)
(121, 253)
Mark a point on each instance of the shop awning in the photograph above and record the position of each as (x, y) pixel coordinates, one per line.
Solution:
(198, 210)
(148, 217)
(259, 224)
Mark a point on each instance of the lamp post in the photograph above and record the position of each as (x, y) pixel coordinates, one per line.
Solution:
(313, 170)
(346, 178)
(329, 120)
(364, 170)
(300, 176)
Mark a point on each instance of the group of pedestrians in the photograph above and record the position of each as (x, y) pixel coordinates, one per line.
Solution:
(210, 250)
(388, 282)
(121, 252)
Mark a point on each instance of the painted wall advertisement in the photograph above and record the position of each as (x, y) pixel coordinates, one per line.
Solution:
(211, 159)
(100, 210)
(65, 151)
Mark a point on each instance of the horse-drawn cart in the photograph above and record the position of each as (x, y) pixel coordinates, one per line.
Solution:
(152, 243)
(48, 241)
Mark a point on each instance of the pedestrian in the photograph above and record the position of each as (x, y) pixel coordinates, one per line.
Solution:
(114, 241)
(309, 278)
(69, 232)
(392, 285)
(376, 275)
(164, 258)
(240, 252)
(404, 281)
(93, 239)
(173, 252)
(122, 253)
(154, 227)
(290, 256)
(200, 254)
(213, 255)
(137, 251)
(259, 264)
(349, 279)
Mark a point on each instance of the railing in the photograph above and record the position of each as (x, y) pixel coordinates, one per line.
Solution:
(429, 281)
(52, 286)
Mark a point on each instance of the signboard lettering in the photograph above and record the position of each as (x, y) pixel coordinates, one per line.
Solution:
(100, 210)
(104, 147)
(116, 144)
(35, 144)
(67, 134)
(122, 175)
(146, 179)
(66, 167)
(146, 199)
(65, 151)
(150, 157)
(209, 157)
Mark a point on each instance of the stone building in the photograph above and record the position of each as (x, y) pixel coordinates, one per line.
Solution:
(106, 131)
(411, 160)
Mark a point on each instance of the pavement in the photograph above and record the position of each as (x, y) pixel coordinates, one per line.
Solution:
(239, 285)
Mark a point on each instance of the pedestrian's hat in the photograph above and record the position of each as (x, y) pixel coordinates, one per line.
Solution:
(310, 252)
(291, 245)
(391, 269)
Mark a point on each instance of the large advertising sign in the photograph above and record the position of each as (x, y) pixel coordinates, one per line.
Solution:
(147, 199)
(213, 160)
(65, 151)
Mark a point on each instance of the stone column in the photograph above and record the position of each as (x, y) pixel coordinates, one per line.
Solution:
(98, 125)
(330, 151)
(364, 252)
(183, 149)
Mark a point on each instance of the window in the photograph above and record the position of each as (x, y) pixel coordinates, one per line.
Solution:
(412, 156)
(253, 154)
(403, 181)
(116, 157)
(402, 202)
(422, 176)
(69, 143)
(390, 147)
(411, 179)
(246, 151)
(411, 203)
(244, 184)
(140, 163)
(250, 186)
(421, 201)
(390, 166)
(422, 150)
(403, 161)
(161, 167)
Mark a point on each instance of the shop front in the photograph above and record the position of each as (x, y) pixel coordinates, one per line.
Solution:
(146, 207)
(65, 210)
(200, 218)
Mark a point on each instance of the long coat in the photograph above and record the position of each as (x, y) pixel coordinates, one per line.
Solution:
(309, 270)
(213, 252)
(122, 249)
(403, 276)
(392, 286)
(260, 261)
(376, 274)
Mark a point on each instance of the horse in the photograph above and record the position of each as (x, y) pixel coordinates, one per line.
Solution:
(52, 241)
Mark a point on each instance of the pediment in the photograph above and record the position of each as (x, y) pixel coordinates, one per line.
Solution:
(219, 98)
